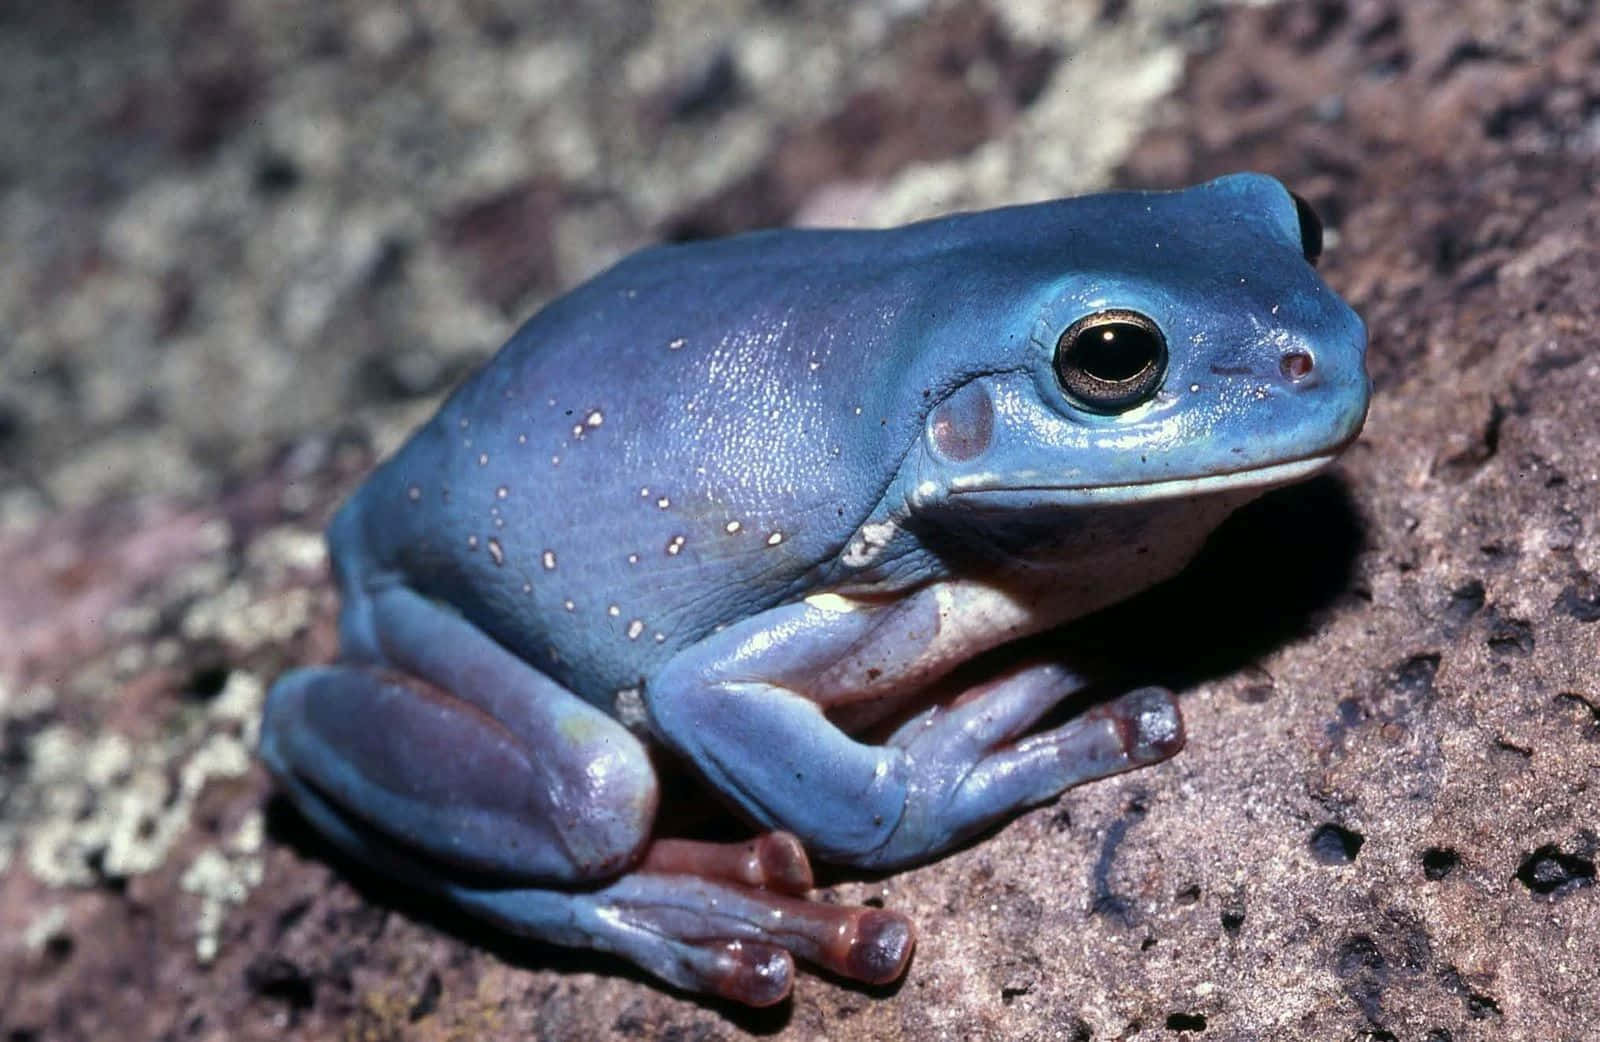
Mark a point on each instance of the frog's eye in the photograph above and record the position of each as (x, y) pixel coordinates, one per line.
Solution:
(1111, 361)
(1310, 229)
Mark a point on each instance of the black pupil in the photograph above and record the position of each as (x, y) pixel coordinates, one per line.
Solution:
(1114, 351)
(1111, 361)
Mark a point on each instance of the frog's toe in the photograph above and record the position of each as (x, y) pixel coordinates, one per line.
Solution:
(749, 972)
(772, 861)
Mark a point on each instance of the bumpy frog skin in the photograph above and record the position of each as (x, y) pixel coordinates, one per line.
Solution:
(753, 501)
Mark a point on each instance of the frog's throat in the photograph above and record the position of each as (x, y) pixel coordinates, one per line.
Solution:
(978, 486)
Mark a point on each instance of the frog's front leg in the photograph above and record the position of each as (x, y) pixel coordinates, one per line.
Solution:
(747, 707)
(437, 757)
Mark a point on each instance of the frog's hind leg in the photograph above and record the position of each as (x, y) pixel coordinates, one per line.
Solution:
(440, 759)
(432, 733)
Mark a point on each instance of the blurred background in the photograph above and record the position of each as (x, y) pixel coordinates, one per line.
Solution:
(224, 225)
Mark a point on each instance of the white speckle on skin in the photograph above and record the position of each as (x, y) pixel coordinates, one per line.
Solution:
(555, 461)
(832, 603)
(613, 610)
(627, 705)
(633, 558)
(635, 628)
(674, 545)
(927, 489)
(595, 419)
(472, 542)
(495, 552)
(732, 527)
(874, 537)
(676, 343)
(462, 423)
(483, 459)
(663, 502)
(413, 493)
(1194, 388)
(522, 439)
(774, 539)
(644, 493)
(502, 492)
(569, 605)
(661, 638)
(577, 431)
(548, 558)
(527, 587)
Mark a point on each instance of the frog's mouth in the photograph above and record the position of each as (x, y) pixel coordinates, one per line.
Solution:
(1042, 492)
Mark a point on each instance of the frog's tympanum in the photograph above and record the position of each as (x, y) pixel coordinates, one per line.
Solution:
(751, 503)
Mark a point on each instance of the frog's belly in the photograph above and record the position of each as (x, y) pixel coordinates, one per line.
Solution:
(1097, 560)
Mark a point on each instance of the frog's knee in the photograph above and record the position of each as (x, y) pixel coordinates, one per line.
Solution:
(604, 807)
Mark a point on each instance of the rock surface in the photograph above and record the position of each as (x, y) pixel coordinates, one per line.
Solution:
(246, 246)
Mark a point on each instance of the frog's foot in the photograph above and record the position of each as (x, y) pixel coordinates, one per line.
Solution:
(724, 920)
(967, 767)
(706, 933)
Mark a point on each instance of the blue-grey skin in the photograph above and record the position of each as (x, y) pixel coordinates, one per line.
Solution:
(724, 487)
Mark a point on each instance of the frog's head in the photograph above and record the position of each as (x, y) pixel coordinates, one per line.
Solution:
(1149, 346)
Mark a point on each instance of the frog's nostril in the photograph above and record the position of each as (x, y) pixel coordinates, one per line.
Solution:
(1296, 365)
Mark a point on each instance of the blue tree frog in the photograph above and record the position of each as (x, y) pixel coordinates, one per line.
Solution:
(752, 502)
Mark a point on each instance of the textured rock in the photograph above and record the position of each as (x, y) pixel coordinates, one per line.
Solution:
(247, 245)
